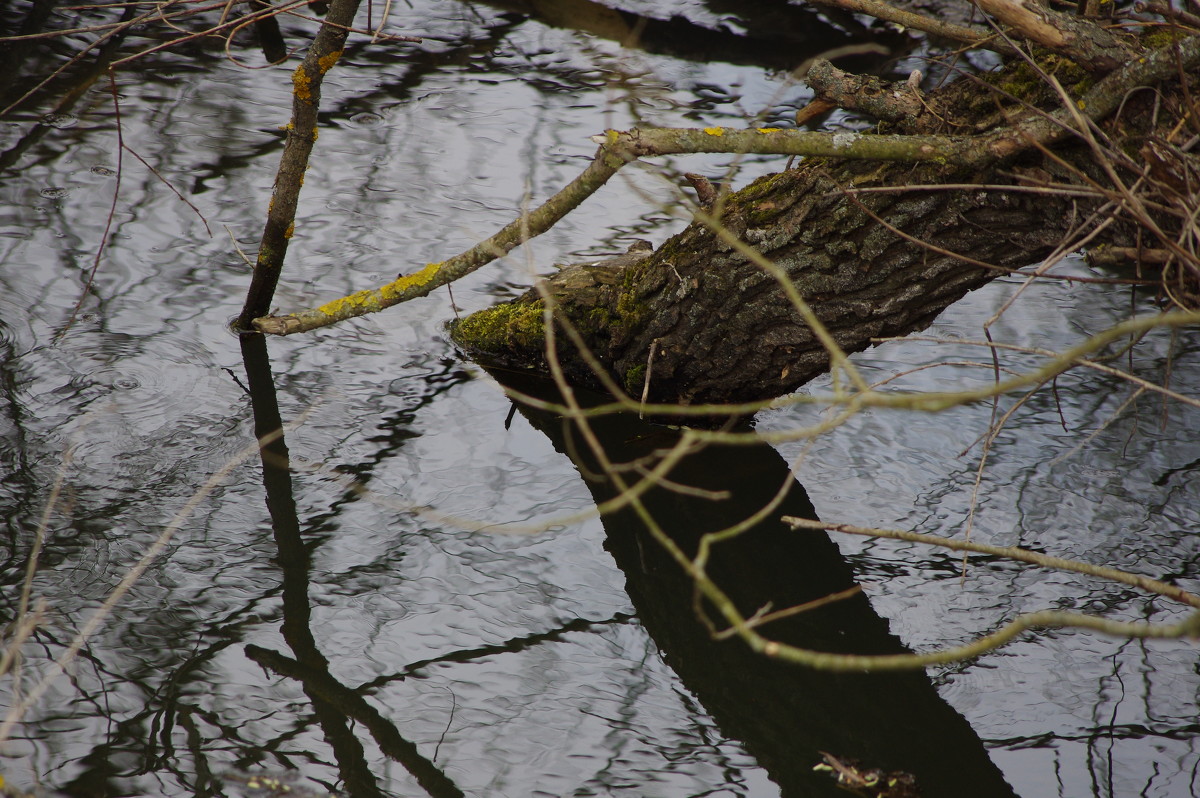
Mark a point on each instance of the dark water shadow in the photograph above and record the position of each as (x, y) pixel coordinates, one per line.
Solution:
(784, 714)
(771, 36)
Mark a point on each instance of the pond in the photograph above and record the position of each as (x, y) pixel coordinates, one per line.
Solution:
(425, 601)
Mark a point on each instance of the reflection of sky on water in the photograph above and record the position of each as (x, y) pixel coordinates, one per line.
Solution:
(424, 150)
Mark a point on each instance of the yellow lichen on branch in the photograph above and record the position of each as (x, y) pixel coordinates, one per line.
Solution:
(302, 84)
(608, 160)
(372, 299)
(362, 301)
(406, 282)
(359, 303)
(326, 62)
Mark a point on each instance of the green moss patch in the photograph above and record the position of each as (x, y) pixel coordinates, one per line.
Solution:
(502, 328)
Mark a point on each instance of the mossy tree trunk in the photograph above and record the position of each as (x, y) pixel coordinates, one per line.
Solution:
(723, 330)
(699, 321)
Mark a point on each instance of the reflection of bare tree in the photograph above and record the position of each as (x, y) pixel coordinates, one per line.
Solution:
(75, 85)
(334, 704)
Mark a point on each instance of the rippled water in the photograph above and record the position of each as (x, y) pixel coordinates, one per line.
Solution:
(504, 662)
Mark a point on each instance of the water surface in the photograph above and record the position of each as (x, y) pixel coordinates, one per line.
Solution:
(512, 663)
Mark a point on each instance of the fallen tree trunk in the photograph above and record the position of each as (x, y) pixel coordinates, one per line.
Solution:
(705, 319)
(722, 328)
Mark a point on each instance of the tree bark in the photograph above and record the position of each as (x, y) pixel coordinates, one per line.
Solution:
(698, 321)
(322, 54)
(723, 330)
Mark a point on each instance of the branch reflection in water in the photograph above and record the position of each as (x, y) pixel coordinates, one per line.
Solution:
(785, 716)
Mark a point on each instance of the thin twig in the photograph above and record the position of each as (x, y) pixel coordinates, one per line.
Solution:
(112, 209)
(1173, 592)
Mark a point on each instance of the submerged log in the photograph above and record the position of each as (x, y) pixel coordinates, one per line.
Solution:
(701, 320)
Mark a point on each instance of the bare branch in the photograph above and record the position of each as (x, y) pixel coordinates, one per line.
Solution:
(324, 52)
(1081, 40)
(1173, 592)
(865, 93)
